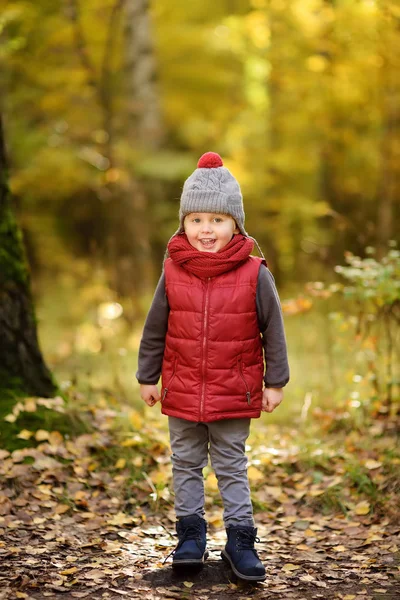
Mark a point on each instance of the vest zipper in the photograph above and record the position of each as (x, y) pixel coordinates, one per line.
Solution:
(205, 322)
(248, 395)
(170, 381)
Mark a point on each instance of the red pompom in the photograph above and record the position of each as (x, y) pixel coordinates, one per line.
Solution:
(210, 160)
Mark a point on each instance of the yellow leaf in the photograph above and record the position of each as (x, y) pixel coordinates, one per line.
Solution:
(55, 438)
(120, 519)
(120, 464)
(25, 434)
(30, 405)
(188, 584)
(290, 567)
(61, 509)
(21, 595)
(309, 533)
(41, 435)
(255, 474)
(349, 597)
(69, 571)
(136, 420)
(362, 508)
(130, 442)
(339, 549)
(303, 547)
(273, 490)
(10, 418)
(372, 464)
(212, 482)
(216, 519)
(314, 493)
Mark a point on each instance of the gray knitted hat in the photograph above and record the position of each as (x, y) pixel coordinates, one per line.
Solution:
(212, 188)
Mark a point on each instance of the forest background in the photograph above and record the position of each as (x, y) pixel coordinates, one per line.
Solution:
(106, 108)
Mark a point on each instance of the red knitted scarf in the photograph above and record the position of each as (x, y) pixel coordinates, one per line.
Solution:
(210, 264)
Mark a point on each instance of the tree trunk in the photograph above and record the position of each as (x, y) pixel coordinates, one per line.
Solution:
(389, 188)
(21, 363)
(146, 130)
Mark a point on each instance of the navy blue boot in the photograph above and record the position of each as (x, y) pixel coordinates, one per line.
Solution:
(240, 553)
(191, 549)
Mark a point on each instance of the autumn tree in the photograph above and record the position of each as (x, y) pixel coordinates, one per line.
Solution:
(21, 363)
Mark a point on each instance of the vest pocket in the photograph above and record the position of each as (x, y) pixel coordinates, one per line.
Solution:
(167, 387)
(240, 368)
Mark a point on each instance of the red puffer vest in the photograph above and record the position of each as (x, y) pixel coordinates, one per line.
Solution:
(213, 362)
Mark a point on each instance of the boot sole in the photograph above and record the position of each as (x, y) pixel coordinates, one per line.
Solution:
(191, 562)
(225, 556)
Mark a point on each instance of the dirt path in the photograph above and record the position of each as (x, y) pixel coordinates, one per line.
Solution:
(335, 559)
(72, 526)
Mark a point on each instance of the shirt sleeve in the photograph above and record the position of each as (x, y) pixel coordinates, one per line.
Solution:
(152, 344)
(270, 321)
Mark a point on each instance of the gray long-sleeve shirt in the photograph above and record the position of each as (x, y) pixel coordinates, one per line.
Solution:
(269, 313)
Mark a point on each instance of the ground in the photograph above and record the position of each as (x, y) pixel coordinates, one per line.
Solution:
(70, 557)
(92, 516)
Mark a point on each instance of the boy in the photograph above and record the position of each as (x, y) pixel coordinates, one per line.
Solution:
(215, 311)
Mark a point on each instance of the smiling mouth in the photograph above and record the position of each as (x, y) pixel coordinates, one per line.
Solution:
(207, 242)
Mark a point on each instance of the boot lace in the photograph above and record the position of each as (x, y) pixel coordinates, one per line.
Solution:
(245, 540)
(191, 532)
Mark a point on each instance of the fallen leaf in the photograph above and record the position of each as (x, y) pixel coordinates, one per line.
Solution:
(255, 474)
(188, 584)
(41, 435)
(69, 571)
(25, 434)
(30, 405)
(290, 567)
(10, 418)
(55, 438)
(61, 509)
(306, 578)
(362, 508)
(372, 464)
(273, 491)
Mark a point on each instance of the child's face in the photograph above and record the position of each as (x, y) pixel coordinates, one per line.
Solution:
(209, 232)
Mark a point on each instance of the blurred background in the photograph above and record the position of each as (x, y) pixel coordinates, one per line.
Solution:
(107, 107)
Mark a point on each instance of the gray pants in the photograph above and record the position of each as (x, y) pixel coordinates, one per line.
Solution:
(225, 442)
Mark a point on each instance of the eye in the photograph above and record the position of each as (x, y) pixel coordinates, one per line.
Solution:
(196, 220)
(218, 219)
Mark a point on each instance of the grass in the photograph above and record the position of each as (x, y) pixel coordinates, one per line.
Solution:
(70, 423)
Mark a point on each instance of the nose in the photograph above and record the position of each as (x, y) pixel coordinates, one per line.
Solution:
(206, 227)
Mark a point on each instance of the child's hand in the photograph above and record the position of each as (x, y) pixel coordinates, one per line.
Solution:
(149, 393)
(272, 397)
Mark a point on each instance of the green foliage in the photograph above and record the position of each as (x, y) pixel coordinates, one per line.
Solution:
(367, 318)
(374, 283)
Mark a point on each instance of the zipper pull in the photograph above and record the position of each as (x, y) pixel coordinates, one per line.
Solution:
(248, 398)
(164, 394)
